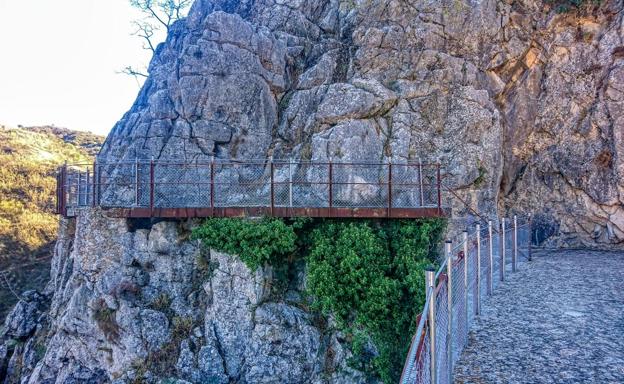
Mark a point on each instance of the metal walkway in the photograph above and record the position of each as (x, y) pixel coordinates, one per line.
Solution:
(232, 188)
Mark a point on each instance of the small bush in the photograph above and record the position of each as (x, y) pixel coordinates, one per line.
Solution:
(105, 320)
(256, 242)
(162, 303)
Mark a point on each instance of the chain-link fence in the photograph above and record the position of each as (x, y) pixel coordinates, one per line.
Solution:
(250, 184)
(474, 263)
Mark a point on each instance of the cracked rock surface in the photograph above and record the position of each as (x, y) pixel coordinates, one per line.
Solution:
(131, 301)
(558, 320)
(522, 104)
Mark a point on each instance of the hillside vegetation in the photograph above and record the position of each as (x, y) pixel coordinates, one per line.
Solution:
(29, 158)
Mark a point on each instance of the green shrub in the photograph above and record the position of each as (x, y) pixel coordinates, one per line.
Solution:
(367, 274)
(370, 276)
(256, 242)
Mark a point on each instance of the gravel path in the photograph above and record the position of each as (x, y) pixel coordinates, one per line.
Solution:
(560, 319)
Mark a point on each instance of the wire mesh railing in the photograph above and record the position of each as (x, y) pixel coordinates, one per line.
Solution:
(394, 188)
(473, 264)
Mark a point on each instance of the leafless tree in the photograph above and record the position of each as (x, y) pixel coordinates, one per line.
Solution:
(158, 15)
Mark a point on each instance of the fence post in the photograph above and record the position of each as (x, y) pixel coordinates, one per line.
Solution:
(439, 182)
(478, 296)
(78, 189)
(465, 238)
(331, 192)
(94, 186)
(514, 252)
(272, 185)
(87, 192)
(491, 258)
(99, 184)
(430, 280)
(389, 188)
(422, 192)
(530, 231)
(136, 182)
(290, 183)
(212, 185)
(503, 249)
(152, 186)
(449, 303)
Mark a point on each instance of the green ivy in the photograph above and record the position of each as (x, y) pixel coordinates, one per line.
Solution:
(367, 274)
(256, 242)
(370, 277)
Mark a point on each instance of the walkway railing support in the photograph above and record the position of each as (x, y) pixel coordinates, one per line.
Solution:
(290, 184)
(272, 185)
(136, 182)
(212, 186)
(331, 190)
(491, 258)
(449, 302)
(503, 249)
(439, 186)
(514, 252)
(152, 186)
(529, 235)
(465, 239)
(420, 179)
(389, 188)
(478, 295)
(430, 282)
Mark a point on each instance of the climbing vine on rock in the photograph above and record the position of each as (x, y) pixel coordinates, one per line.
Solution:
(256, 242)
(368, 275)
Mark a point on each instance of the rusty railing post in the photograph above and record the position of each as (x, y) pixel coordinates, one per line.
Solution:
(272, 185)
(290, 183)
(93, 186)
(491, 258)
(331, 192)
(212, 186)
(503, 249)
(466, 260)
(420, 181)
(87, 184)
(63, 189)
(529, 236)
(478, 295)
(439, 182)
(136, 182)
(152, 186)
(390, 188)
(514, 245)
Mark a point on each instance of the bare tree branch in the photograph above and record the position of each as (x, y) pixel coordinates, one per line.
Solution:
(157, 15)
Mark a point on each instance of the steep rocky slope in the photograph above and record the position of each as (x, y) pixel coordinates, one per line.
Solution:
(134, 302)
(520, 102)
(29, 157)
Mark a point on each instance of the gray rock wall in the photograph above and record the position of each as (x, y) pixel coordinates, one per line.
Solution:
(521, 104)
(146, 302)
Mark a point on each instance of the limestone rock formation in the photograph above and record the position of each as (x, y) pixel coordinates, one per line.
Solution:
(522, 104)
(519, 102)
(132, 301)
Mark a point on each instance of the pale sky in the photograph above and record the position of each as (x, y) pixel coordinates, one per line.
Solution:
(58, 62)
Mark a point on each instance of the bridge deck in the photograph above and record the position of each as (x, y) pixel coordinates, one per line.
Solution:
(558, 320)
(233, 188)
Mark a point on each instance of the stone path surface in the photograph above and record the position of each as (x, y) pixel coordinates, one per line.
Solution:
(560, 319)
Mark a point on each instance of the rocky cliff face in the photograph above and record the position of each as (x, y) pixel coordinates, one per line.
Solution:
(133, 302)
(521, 103)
